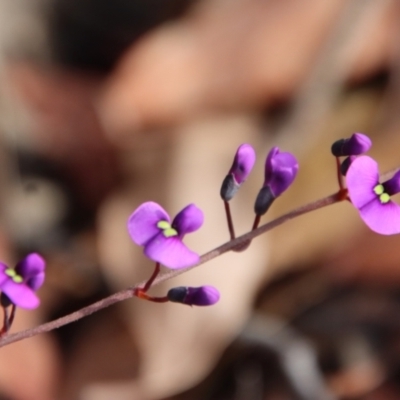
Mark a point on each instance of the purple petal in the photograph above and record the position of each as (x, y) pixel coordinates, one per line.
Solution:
(36, 281)
(3, 276)
(188, 220)
(170, 252)
(20, 294)
(31, 266)
(142, 224)
(280, 171)
(361, 178)
(243, 163)
(202, 296)
(382, 218)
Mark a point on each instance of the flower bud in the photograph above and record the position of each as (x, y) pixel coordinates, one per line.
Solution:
(194, 296)
(243, 163)
(357, 144)
(264, 200)
(280, 172)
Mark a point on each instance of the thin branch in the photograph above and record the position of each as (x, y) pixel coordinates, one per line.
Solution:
(229, 220)
(128, 293)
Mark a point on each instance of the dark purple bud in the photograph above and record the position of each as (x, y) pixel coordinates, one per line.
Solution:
(344, 166)
(194, 296)
(357, 144)
(392, 186)
(280, 171)
(264, 200)
(229, 188)
(243, 163)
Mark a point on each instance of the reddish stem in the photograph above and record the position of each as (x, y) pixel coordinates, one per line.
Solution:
(6, 325)
(12, 315)
(339, 175)
(229, 220)
(257, 220)
(142, 295)
(151, 280)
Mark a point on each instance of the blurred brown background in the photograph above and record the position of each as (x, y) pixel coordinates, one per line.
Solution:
(106, 104)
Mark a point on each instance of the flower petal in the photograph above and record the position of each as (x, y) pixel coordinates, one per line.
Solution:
(361, 178)
(142, 224)
(170, 252)
(20, 294)
(382, 218)
(31, 266)
(188, 220)
(36, 281)
(3, 276)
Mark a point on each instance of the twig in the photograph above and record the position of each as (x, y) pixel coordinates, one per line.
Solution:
(129, 292)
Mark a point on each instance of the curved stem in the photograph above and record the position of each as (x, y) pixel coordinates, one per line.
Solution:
(151, 280)
(130, 292)
(339, 174)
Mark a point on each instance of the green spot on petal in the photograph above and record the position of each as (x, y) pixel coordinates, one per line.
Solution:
(17, 279)
(170, 232)
(163, 225)
(378, 189)
(10, 272)
(384, 198)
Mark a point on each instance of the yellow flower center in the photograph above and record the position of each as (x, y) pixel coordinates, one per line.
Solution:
(13, 275)
(168, 231)
(379, 190)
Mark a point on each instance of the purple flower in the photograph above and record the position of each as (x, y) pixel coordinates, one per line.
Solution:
(371, 198)
(150, 226)
(357, 144)
(243, 163)
(280, 172)
(20, 284)
(194, 296)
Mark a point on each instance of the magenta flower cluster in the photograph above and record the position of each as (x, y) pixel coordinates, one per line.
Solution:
(280, 171)
(371, 198)
(18, 285)
(150, 226)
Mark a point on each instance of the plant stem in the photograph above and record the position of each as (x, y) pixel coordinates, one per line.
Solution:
(6, 324)
(339, 174)
(229, 220)
(152, 278)
(142, 295)
(130, 292)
